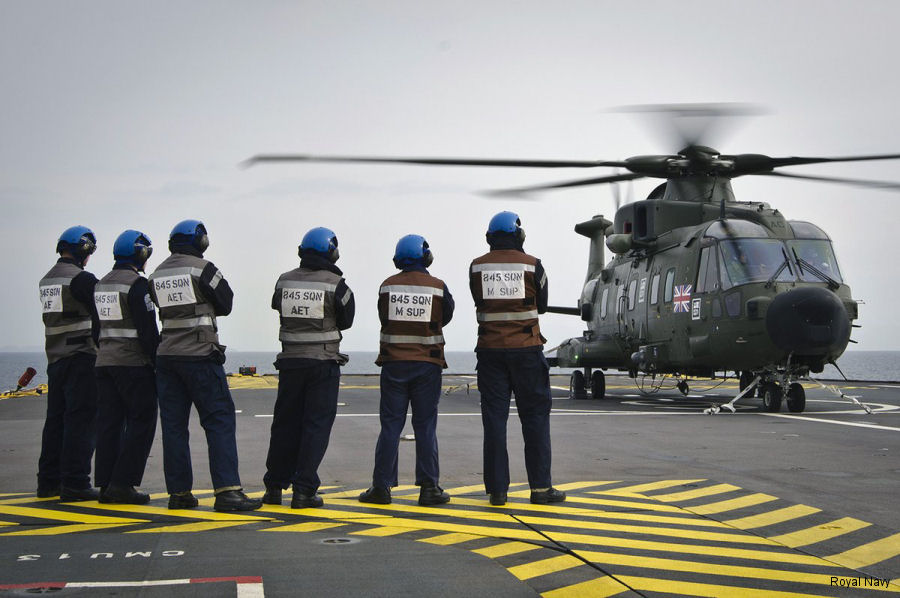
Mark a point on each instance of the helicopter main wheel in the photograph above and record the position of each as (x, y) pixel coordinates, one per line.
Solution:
(796, 398)
(683, 387)
(598, 385)
(577, 388)
(772, 395)
(745, 380)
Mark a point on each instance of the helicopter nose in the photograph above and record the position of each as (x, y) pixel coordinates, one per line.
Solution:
(808, 321)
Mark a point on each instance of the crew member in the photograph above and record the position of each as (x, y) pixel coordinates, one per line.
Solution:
(413, 307)
(314, 304)
(126, 383)
(190, 292)
(510, 290)
(71, 329)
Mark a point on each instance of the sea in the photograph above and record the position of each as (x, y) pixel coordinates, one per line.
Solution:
(883, 366)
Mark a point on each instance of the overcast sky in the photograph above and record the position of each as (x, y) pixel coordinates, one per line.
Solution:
(123, 115)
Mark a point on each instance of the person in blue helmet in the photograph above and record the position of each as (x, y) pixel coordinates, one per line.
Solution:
(126, 382)
(510, 290)
(191, 293)
(314, 304)
(413, 307)
(71, 330)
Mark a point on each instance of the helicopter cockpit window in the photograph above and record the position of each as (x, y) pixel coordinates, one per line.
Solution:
(816, 253)
(807, 230)
(734, 228)
(754, 260)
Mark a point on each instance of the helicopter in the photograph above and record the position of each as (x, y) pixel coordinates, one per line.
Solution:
(698, 281)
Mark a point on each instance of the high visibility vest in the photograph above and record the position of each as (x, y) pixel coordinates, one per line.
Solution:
(67, 321)
(188, 319)
(410, 306)
(505, 293)
(308, 325)
(119, 344)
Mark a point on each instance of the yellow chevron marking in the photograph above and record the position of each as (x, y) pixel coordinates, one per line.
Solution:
(602, 587)
(201, 526)
(284, 493)
(354, 494)
(580, 485)
(405, 489)
(869, 554)
(57, 530)
(27, 500)
(772, 517)
(16, 494)
(187, 513)
(158, 495)
(820, 533)
(445, 510)
(732, 504)
(505, 549)
(646, 562)
(627, 504)
(383, 531)
(308, 526)
(545, 566)
(696, 493)
(450, 539)
(473, 488)
(641, 488)
(705, 590)
(63, 515)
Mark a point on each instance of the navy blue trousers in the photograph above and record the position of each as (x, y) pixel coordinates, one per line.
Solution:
(67, 443)
(126, 424)
(404, 384)
(527, 376)
(304, 414)
(203, 384)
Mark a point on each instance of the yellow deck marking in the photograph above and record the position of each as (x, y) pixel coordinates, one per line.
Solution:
(478, 488)
(559, 509)
(27, 500)
(445, 510)
(158, 495)
(284, 493)
(602, 587)
(732, 504)
(705, 590)
(357, 491)
(869, 554)
(697, 493)
(382, 531)
(16, 494)
(772, 517)
(201, 526)
(57, 530)
(188, 513)
(64, 515)
(545, 566)
(505, 549)
(627, 504)
(580, 485)
(309, 526)
(647, 562)
(450, 539)
(641, 488)
(820, 533)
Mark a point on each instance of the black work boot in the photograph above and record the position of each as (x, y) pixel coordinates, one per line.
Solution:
(272, 495)
(376, 495)
(47, 490)
(542, 497)
(304, 499)
(235, 500)
(183, 500)
(498, 498)
(78, 494)
(432, 495)
(124, 495)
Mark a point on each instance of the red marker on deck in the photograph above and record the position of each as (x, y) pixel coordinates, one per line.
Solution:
(25, 380)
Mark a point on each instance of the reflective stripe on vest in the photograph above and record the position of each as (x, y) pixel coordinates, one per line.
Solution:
(408, 288)
(513, 267)
(506, 316)
(419, 340)
(310, 337)
(53, 330)
(306, 284)
(118, 333)
(174, 323)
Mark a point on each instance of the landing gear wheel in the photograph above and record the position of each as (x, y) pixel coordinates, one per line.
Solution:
(796, 398)
(745, 380)
(577, 389)
(683, 387)
(772, 395)
(598, 385)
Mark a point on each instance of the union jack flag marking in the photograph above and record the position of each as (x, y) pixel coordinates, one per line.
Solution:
(682, 298)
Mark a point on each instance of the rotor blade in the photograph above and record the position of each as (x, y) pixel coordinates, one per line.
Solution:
(564, 184)
(798, 160)
(694, 124)
(886, 185)
(431, 161)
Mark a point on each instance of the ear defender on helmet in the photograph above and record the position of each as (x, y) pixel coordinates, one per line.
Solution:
(411, 249)
(189, 232)
(506, 223)
(77, 240)
(321, 240)
(132, 247)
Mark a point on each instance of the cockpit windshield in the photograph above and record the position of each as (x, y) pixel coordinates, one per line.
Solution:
(817, 253)
(755, 260)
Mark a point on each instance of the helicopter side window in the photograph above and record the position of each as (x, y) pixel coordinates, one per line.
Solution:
(820, 254)
(654, 289)
(603, 303)
(620, 293)
(632, 287)
(754, 260)
(670, 285)
(707, 276)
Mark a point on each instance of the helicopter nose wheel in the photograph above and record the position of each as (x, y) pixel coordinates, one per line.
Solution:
(796, 398)
(598, 385)
(577, 386)
(771, 397)
(683, 387)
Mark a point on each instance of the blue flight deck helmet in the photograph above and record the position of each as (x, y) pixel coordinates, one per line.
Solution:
(412, 249)
(77, 240)
(506, 223)
(189, 232)
(321, 240)
(132, 247)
